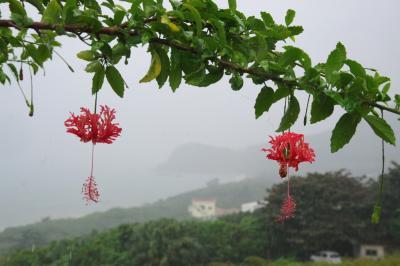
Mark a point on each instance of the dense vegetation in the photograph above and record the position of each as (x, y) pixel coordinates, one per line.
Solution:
(333, 213)
(229, 195)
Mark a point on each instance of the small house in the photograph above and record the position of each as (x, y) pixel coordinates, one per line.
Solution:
(372, 251)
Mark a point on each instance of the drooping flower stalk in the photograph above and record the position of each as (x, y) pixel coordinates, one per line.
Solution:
(97, 128)
(89, 188)
(289, 150)
(288, 207)
(376, 214)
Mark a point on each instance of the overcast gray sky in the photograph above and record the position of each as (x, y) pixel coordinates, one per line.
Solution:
(42, 168)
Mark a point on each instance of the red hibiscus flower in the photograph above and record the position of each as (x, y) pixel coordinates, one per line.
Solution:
(289, 149)
(97, 128)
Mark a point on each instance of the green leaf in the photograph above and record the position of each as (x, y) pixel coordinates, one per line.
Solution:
(93, 67)
(52, 12)
(281, 93)
(267, 18)
(32, 52)
(232, 5)
(116, 81)
(86, 55)
(14, 71)
(68, 8)
(154, 69)
(198, 3)
(175, 75)
(165, 67)
(196, 78)
(119, 16)
(165, 20)
(190, 63)
(195, 16)
(148, 7)
(290, 56)
(219, 26)
(214, 75)
(344, 130)
(343, 80)
(295, 30)
(376, 214)
(356, 68)
(397, 100)
(236, 82)
(17, 8)
(289, 16)
(35, 68)
(290, 117)
(335, 62)
(3, 77)
(321, 108)
(381, 128)
(43, 53)
(264, 101)
(380, 79)
(97, 81)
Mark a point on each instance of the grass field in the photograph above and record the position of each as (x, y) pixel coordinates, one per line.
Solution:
(256, 261)
(388, 261)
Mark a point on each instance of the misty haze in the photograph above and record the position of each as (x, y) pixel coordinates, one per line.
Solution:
(183, 143)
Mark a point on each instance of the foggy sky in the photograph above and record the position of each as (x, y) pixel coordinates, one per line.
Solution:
(42, 168)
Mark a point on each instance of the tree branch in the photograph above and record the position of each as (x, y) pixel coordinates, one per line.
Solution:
(115, 31)
(383, 107)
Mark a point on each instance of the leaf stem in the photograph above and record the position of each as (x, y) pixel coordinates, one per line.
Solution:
(63, 59)
(95, 103)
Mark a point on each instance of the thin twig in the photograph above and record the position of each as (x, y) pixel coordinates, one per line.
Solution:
(382, 171)
(305, 115)
(63, 59)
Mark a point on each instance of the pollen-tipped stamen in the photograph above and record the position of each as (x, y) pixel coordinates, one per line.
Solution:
(89, 188)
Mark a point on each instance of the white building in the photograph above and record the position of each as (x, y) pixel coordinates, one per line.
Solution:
(252, 206)
(372, 251)
(203, 208)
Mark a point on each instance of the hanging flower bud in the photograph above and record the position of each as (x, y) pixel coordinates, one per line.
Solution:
(21, 73)
(283, 170)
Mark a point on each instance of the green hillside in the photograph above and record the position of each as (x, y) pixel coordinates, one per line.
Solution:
(228, 195)
(246, 239)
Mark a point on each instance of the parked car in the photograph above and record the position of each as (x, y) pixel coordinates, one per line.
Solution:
(327, 256)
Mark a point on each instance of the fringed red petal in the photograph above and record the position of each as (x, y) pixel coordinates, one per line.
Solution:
(98, 128)
(289, 150)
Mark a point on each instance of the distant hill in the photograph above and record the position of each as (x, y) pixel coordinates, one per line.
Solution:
(229, 195)
(361, 157)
